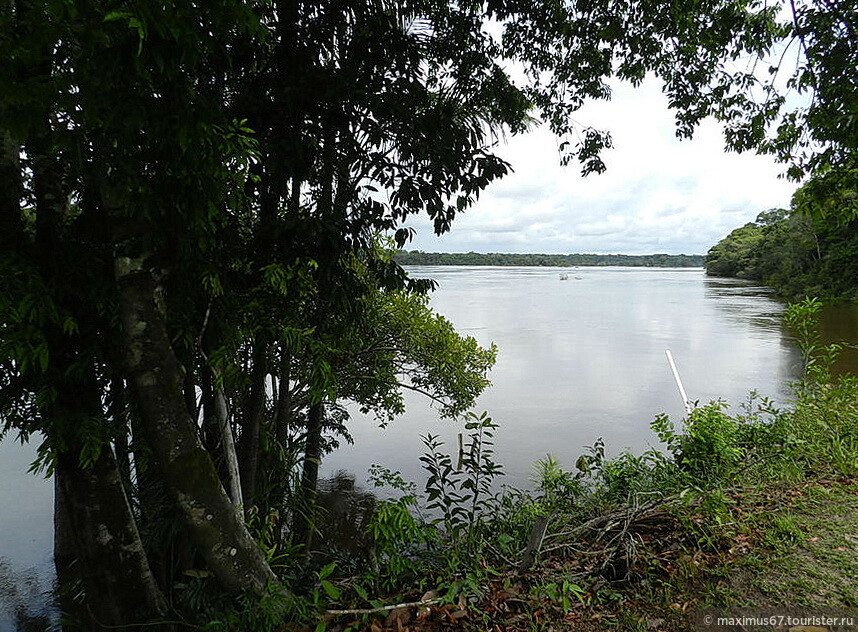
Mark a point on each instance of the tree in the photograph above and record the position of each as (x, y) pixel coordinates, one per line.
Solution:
(797, 96)
(732, 256)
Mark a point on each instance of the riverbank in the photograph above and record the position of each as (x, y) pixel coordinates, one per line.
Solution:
(785, 541)
(788, 550)
(755, 509)
(662, 260)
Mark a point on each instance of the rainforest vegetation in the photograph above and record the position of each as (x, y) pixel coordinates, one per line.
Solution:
(419, 258)
(809, 250)
(198, 204)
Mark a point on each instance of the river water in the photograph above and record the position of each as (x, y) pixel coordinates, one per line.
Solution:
(581, 356)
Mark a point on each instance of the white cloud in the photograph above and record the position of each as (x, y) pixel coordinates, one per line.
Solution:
(659, 194)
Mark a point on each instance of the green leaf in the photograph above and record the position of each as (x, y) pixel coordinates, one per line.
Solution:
(361, 591)
(327, 570)
(332, 591)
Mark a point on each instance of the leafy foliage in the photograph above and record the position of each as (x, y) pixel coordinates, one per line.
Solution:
(461, 495)
(806, 251)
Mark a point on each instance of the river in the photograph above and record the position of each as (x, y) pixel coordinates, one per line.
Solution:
(581, 356)
(584, 358)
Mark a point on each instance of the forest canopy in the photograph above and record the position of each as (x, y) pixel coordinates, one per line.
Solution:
(799, 252)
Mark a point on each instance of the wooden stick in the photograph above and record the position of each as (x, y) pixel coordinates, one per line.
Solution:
(534, 544)
(411, 604)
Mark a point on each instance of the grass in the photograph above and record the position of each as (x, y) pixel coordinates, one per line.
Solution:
(809, 555)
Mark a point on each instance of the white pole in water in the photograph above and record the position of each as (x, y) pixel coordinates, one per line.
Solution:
(685, 402)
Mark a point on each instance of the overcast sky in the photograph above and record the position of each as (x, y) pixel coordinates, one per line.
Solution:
(659, 194)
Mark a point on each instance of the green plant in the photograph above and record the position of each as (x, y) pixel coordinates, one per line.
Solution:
(563, 593)
(802, 319)
(785, 529)
(559, 489)
(396, 533)
(462, 495)
(709, 447)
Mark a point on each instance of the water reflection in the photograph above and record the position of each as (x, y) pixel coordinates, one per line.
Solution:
(839, 323)
(25, 599)
(344, 512)
(26, 540)
(743, 303)
(739, 301)
(584, 357)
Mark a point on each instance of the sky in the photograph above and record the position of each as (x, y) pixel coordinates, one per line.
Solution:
(659, 194)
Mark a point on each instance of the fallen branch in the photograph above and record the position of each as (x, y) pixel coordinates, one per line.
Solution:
(410, 604)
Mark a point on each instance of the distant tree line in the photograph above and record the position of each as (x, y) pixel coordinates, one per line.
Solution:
(418, 257)
(809, 250)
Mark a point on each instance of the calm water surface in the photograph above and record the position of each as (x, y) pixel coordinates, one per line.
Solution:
(26, 540)
(584, 358)
(578, 359)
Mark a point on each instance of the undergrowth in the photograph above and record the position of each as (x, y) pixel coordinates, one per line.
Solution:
(647, 520)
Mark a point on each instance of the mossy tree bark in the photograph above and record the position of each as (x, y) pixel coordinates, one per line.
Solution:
(186, 469)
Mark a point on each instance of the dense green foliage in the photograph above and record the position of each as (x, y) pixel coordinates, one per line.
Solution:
(419, 258)
(799, 252)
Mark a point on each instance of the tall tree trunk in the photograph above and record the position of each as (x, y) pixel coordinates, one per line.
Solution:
(227, 442)
(185, 467)
(120, 420)
(119, 586)
(252, 423)
(95, 524)
(68, 575)
(310, 474)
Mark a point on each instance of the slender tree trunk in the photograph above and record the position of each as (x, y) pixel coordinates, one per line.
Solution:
(252, 424)
(227, 442)
(217, 437)
(310, 474)
(190, 393)
(209, 431)
(283, 418)
(282, 421)
(214, 525)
